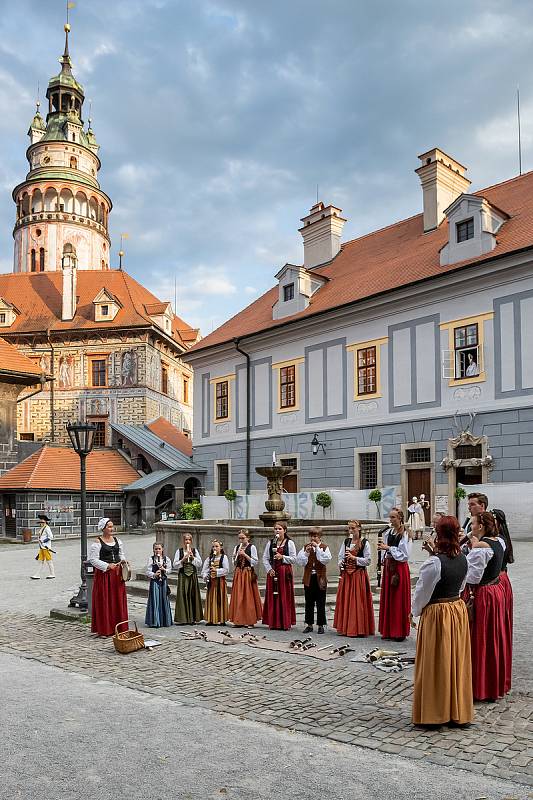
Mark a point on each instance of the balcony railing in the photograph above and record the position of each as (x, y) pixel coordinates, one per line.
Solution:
(60, 216)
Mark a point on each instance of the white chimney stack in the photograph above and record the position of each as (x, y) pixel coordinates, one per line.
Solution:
(69, 264)
(321, 232)
(443, 180)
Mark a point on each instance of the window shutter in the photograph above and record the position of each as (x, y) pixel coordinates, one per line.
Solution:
(447, 364)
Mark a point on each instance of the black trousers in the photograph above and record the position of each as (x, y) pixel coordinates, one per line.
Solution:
(313, 594)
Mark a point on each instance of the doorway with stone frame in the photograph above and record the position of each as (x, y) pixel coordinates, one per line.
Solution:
(417, 475)
(468, 462)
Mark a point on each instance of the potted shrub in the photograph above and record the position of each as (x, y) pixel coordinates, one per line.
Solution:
(323, 499)
(376, 497)
(230, 495)
(192, 510)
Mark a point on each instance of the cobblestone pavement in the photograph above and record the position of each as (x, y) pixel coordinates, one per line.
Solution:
(341, 701)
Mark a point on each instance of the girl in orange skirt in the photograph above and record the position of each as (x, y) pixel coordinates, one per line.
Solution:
(443, 674)
(354, 609)
(395, 598)
(245, 606)
(214, 571)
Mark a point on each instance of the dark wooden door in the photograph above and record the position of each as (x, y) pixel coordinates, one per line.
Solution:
(10, 501)
(419, 482)
(290, 483)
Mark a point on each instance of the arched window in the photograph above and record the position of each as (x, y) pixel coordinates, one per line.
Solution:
(41, 259)
(33, 261)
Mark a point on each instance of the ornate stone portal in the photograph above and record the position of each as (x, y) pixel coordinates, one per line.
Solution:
(274, 505)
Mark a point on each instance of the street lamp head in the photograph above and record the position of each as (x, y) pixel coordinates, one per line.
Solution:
(81, 436)
(316, 445)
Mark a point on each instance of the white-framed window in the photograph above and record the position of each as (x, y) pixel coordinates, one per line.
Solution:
(288, 292)
(464, 230)
(222, 476)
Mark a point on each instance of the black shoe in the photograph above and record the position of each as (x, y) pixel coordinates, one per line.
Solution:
(308, 629)
(320, 629)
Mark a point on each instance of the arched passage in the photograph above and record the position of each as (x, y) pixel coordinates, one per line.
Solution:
(191, 490)
(164, 500)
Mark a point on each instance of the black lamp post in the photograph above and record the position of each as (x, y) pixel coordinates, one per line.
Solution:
(82, 438)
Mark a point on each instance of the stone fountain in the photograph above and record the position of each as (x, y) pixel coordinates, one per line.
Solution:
(275, 504)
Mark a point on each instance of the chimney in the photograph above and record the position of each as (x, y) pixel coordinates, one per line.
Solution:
(321, 232)
(443, 180)
(68, 264)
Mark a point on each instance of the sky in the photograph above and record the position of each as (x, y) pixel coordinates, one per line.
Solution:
(218, 119)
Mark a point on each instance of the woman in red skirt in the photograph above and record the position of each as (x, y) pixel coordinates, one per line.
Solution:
(354, 608)
(485, 593)
(508, 558)
(279, 611)
(109, 604)
(395, 598)
(245, 606)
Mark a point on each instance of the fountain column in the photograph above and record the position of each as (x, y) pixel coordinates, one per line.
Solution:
(275, 504)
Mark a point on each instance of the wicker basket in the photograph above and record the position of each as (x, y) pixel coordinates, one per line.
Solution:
(128, 641)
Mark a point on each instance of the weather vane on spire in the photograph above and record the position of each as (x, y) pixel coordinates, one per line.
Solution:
(69, 6)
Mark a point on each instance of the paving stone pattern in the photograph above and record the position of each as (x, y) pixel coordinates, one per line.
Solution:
(342, 701)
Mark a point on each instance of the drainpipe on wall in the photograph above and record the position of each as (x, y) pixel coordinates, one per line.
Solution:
(248, 405)
(52, 373)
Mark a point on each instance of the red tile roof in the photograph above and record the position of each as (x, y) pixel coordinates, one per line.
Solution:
(387, 259)
(59, 468)
(11, 361)
(171, 435)
(38, 298)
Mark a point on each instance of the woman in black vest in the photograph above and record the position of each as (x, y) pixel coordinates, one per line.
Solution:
(395, 597)
(443, 679)
(354, 606)
(508, 558)
(109, 603)
(245, 607)
(279, 611)
(485, 594)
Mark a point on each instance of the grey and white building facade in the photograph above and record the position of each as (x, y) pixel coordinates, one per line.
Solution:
(407, 353)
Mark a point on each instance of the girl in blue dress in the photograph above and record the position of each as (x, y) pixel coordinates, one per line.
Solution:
(158, 612)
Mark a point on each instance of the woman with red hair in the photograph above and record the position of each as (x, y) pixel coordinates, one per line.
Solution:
(485, 594)
(443, 679)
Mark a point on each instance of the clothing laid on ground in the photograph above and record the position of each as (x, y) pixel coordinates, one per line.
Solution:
(354, 607)
(279, 611)
(188, 564)
(443, 672)
(158, 611)
(395, 597)
(488, 626)
(109, 603)
(214, 574)
(315, 582)
(245, 606)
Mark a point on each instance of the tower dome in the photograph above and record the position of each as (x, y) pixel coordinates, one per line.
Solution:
(60, 201)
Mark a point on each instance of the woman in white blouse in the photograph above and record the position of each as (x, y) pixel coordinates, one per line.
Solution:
(109, 603)
(395, 597)
(354, 607)
(279, 610)
(245, 606)
(486, 596)
(443, 678)
(214, 571)
(158, 611)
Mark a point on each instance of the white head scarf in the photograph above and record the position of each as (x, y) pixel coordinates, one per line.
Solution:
(102, 523)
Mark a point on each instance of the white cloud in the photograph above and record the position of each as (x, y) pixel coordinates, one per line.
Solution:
(86, 62)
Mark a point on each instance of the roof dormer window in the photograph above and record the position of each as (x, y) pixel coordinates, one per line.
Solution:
(288, 292)
(8, 314)
(104, 310)
(106, 306)
(464, 230)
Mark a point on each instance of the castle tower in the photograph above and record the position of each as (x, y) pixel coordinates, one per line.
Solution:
(60, 202)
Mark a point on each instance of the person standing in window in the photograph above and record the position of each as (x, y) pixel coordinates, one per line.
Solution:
(245, 607)
(472, 368)
(109, 603)
(279, 611)
(395, 598)
(443, 674)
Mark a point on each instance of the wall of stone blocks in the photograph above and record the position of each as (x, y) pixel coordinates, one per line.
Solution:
(510, 439)
(29, 504)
